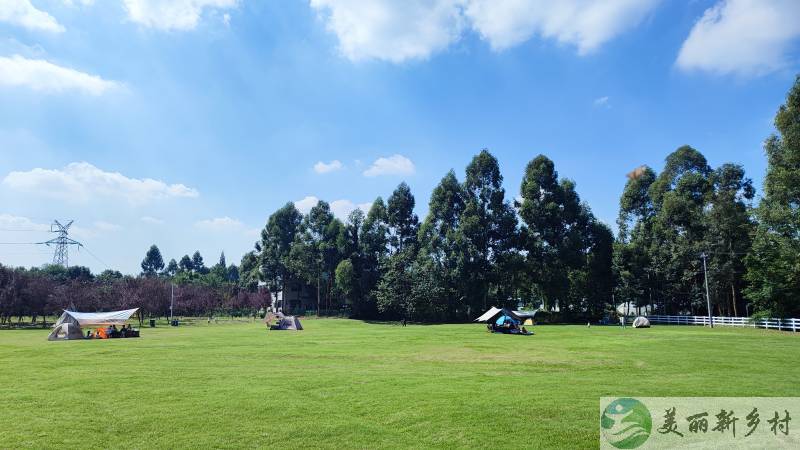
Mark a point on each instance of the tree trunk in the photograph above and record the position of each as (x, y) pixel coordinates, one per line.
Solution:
(733, 299)
(318, 296)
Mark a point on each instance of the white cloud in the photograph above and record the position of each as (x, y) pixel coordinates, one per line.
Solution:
(44, 76)
(219, 223)
(9, 222)
(340, 208)
(400, 30)
(78, 2)
(174, 15)
(602, 102)
(391, 30)
(106, 226)
(226, 225)
(743, 37)
(586, 24)
(24, 14)
(82, 182)
(305, 205)
(152, 220)
(321, 167)
(392, 165)
(343, 208)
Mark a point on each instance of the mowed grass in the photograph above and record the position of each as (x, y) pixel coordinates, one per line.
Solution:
(350, 384)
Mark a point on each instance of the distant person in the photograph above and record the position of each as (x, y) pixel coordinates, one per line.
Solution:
(404, 321)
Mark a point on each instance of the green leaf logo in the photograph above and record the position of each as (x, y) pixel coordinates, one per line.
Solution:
(626, 423)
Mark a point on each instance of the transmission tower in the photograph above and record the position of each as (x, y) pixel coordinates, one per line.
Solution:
(61, 243)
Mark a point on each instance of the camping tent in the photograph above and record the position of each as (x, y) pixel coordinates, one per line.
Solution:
(641, 322)
(69, 324)
(283, 322)
(290, 323)
(516, 315)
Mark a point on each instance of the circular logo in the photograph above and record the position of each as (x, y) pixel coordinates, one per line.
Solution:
(626, 423)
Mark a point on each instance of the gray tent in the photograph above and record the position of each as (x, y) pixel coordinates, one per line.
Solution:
(641, 322)
(69, 324)
(283, 322)
(290, 323)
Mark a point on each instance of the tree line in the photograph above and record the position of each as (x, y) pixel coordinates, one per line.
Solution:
(478, 247)
(191, 288)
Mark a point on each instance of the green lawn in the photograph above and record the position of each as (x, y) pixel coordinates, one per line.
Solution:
(343, 383)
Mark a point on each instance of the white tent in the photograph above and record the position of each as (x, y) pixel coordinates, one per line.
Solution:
(641, 322)
(493, 311)
(69, 324)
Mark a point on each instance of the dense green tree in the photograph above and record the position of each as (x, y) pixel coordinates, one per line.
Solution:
(197, 263)
(249, 271)
(346, 280)
(275, 246)
(441, 248)
(186, 264)
(729, 236)
(681, 194)
(402, 221)
(488, 229)
(633, 271)
(172, 268)
(153, 262)
(773, 266)
(550, 211)
(373, 250)
(308, 251)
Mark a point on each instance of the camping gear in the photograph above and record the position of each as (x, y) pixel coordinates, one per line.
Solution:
(70, 323)
(641, 322)
(283, 322)
(505, 321)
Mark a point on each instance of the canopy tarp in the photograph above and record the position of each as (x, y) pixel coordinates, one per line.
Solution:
(94, 319)
(487, 316)
(518, 316)
(525, 314)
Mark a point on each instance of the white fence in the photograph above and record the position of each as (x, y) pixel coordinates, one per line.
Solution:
(774, 324)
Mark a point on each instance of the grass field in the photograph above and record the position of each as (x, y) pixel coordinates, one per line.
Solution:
(343, 383)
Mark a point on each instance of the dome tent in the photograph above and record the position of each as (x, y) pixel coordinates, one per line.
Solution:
(70, 323)
(641, 322)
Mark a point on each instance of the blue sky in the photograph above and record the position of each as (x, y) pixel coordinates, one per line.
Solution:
(185, 123)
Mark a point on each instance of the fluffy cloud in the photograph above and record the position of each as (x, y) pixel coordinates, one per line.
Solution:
(321, 167)
(399, 30)
(226, 225)
(340, 208)
(343, 208)
(106, 226)
(392, 165)
(743, 37)
(602, 102)
(174, 15)
(23, 13)
(152, 220)
(392, 30)
(305, 205)
(83, 181)
(586, 24)
(44, 76)
(219, 223)
(18, 223)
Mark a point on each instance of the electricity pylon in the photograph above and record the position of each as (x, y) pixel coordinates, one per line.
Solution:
(61, 243)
